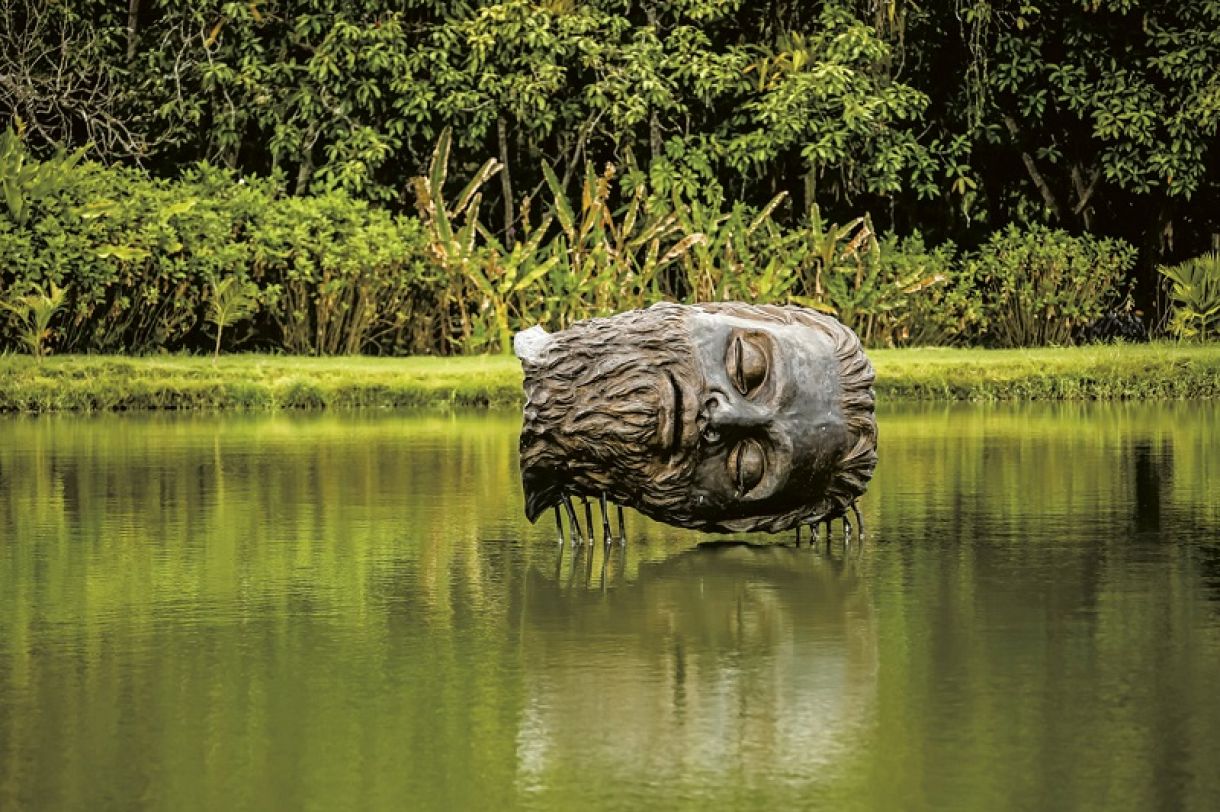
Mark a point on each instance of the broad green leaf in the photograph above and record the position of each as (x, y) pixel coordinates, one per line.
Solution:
(536, 273)
(440, 165)
(563, 209)
(490, 168)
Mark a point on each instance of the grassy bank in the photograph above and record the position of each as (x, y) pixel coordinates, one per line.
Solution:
(1165, 371)
(254, 383)
(263, 382)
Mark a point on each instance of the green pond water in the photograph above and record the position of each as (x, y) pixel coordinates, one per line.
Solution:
(350, 612)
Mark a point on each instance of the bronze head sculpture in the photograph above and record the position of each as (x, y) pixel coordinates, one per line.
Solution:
(717, 417)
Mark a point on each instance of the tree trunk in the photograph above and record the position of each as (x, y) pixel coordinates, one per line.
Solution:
(1148, 293)
(506, 184)
(655, 142)
(1048, 197)
(1084, 193)
(305, 170)
(133, 19)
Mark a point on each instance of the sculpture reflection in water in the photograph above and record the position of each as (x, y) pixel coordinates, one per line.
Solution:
(695, 655)
(723, 417)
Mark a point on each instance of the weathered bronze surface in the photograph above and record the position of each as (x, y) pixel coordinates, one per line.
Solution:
(718, 417)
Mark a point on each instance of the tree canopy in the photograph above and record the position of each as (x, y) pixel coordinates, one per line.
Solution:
(952, 117)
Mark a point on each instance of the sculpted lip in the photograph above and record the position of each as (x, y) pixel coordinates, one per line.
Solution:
(678, 415)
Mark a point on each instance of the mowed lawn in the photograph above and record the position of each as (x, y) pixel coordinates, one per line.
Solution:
(265, 382)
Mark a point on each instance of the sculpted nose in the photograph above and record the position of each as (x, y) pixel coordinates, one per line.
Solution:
(727, 412)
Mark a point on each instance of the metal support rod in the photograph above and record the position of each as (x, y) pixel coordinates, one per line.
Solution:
(572, 520)
(606, 536)
(588, 518)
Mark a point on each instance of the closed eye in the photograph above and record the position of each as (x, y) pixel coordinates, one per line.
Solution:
(747, 363)
(747, 464)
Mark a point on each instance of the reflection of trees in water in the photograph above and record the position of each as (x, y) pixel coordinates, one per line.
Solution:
(716, 658)
(1196, 522)
(1087, 488)
(381, 569)
(1208, 556)
(1152, 479)
(257, 591)
(1060, 615)
(147, 510)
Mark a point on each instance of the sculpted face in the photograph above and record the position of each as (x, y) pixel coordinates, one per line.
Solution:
(762, 415)
(715, 417)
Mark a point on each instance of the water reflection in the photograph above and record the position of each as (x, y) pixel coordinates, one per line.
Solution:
(1152, 471)
(760, 657)
(351, 611)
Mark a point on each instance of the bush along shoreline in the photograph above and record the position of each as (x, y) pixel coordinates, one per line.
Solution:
(109, 260)
(259, 383)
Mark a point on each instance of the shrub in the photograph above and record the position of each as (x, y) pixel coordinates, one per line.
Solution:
(24, 181)
(940, 308)
(919, 296)
(136, 252)
(892, 291)
(572, 264)
(340, 277)
(1195, 291)
(32, 313)
(139, 255)
(1039, 286)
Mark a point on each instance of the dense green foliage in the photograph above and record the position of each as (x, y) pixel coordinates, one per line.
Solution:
(1039, 286)
(148, 265)
(268, 382)
(139, 258)
(352, 94)
(953, 118)
(688, 150)
(622, 245)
